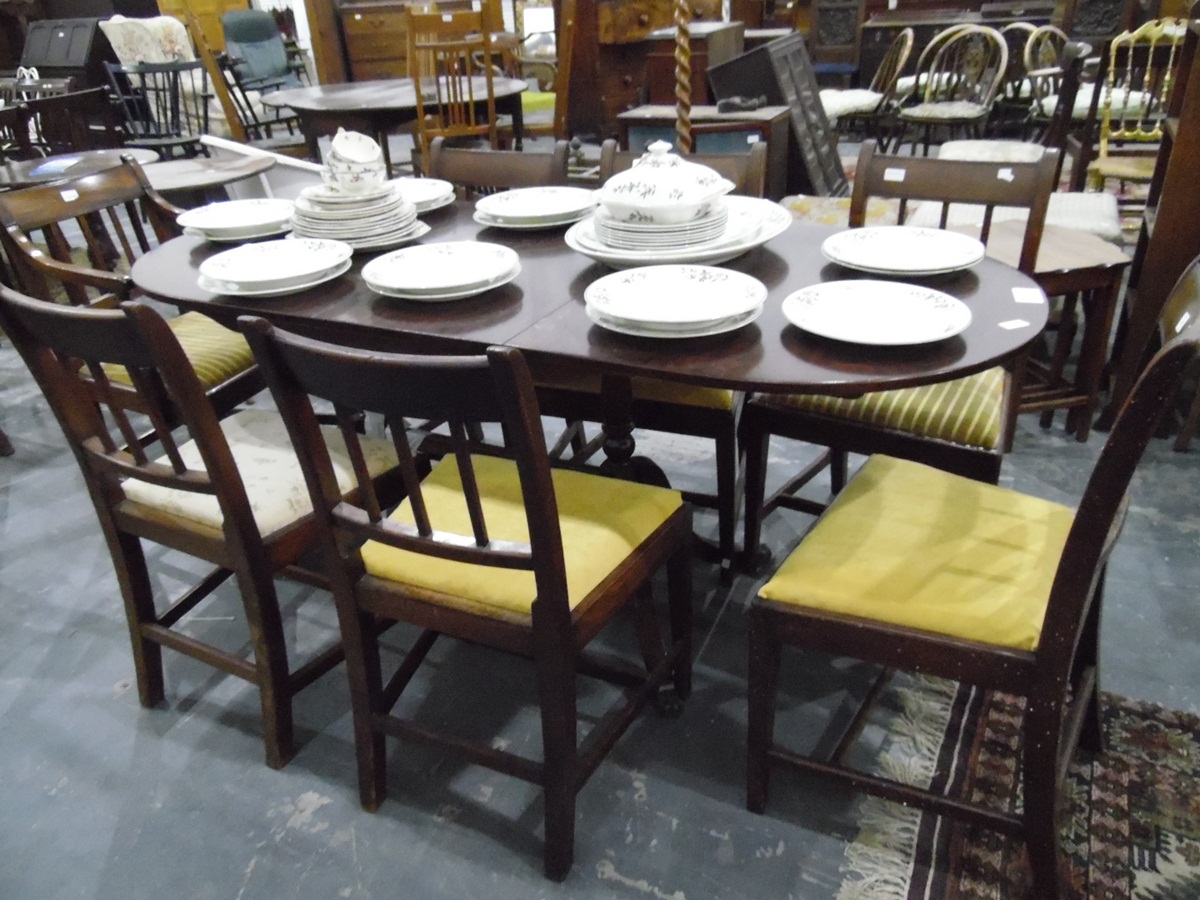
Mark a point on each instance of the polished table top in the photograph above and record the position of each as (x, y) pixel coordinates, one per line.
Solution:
(201, 172)
(383, 95)
(24, 172)
(542, 313)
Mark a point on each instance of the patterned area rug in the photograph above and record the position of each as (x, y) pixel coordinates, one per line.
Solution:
(1132, 829)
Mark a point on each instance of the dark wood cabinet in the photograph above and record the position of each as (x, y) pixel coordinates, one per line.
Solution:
(375, 40)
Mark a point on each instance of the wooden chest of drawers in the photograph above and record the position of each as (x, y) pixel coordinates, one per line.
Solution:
(375, 40)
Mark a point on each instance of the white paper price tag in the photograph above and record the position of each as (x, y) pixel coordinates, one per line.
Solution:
(894, 174)
(1028, 295)
(1012, 324)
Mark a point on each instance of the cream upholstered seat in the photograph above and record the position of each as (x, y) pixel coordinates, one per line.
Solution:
(268, 468)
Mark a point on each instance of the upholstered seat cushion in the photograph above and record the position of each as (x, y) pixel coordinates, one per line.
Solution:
(1123, 167)
(843, 103)
(603, 521)
(967, 411)
(1095, 212)
(946, 110)
(910, 545)
(836, 210)
(215, 352)
(269, 469)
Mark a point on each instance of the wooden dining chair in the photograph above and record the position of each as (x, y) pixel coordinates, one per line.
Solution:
(74, 122)
(919, 570)
(476, 172)
(163, 106)
(228, 492)
(455, 97)
(14, 133)
(865, 111)
(668, 406)
(962, 426)
(493, 548)
(958, 87)
(76, 240)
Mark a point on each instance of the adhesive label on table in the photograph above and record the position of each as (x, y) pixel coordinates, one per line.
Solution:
(1028, 295)
(1013, 324)
(69, 196)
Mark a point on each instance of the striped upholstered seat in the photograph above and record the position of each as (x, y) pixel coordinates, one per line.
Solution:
(966, 411)
(215, 352)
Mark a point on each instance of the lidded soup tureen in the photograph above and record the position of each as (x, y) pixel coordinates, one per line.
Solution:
(663, 188)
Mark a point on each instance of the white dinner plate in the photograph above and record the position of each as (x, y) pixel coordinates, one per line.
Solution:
(241, 238)
(277, 264)
(903, 250)
(443, 296)
(238, 218)
(423, 191)
(440, 268)
(527, 206)
(217, 286)
(720, 327)
(881, 313)
(325, 193)
(492, 222)
(758, 221)
(675, 295)
(389, 242)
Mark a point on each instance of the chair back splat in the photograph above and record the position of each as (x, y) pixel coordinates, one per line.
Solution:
(476, 172)
(923, 571)
(225, 491)
(491, 547)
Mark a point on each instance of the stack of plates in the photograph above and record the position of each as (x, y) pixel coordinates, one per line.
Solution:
(535, 207)
(445, 271)
(238, 220)
(370, 220)
(274, 268)
(903, 250)
(674, 301)
(751, 222)
(425, 194)
(612, 232)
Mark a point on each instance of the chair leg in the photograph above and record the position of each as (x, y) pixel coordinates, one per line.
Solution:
(763, 684)
(839, 461)
(727, 496)
(271, 662)
(755, 445)
(679, 600)
(556, 696)
(1039, 769)
(1099, 310)
(6, 447)
(360, 638)
(1087, 656)
(1186, 431)
(130, 563)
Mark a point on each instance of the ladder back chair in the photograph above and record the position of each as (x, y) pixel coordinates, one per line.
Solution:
(14, 133)
(455, 98)
(963, 425)
(228, 491)
(491, 547)
(915, 569)
(666, 406)
(478, 172)
(91, 231)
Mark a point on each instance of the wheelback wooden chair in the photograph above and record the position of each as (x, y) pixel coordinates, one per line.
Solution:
(228, 492)
(491, 547)
(915, 569)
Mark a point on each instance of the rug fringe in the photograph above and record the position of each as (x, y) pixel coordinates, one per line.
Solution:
(878, 862)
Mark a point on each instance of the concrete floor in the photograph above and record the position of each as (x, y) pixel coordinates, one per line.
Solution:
(105, 799)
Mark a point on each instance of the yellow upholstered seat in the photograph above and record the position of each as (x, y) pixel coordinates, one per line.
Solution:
(603, 520)
(964, 411)
(215, 352)
(948, 554)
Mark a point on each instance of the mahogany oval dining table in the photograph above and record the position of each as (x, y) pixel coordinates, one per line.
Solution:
(541, 312)
(377, 107)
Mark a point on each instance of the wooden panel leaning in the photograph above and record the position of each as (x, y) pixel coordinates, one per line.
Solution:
(916, 569)
(492, 547)
(229, 492)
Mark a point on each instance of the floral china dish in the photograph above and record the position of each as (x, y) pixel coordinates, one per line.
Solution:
(354, 147)
(663, 188)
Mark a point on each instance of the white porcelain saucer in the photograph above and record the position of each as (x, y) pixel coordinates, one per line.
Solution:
(233, 289)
